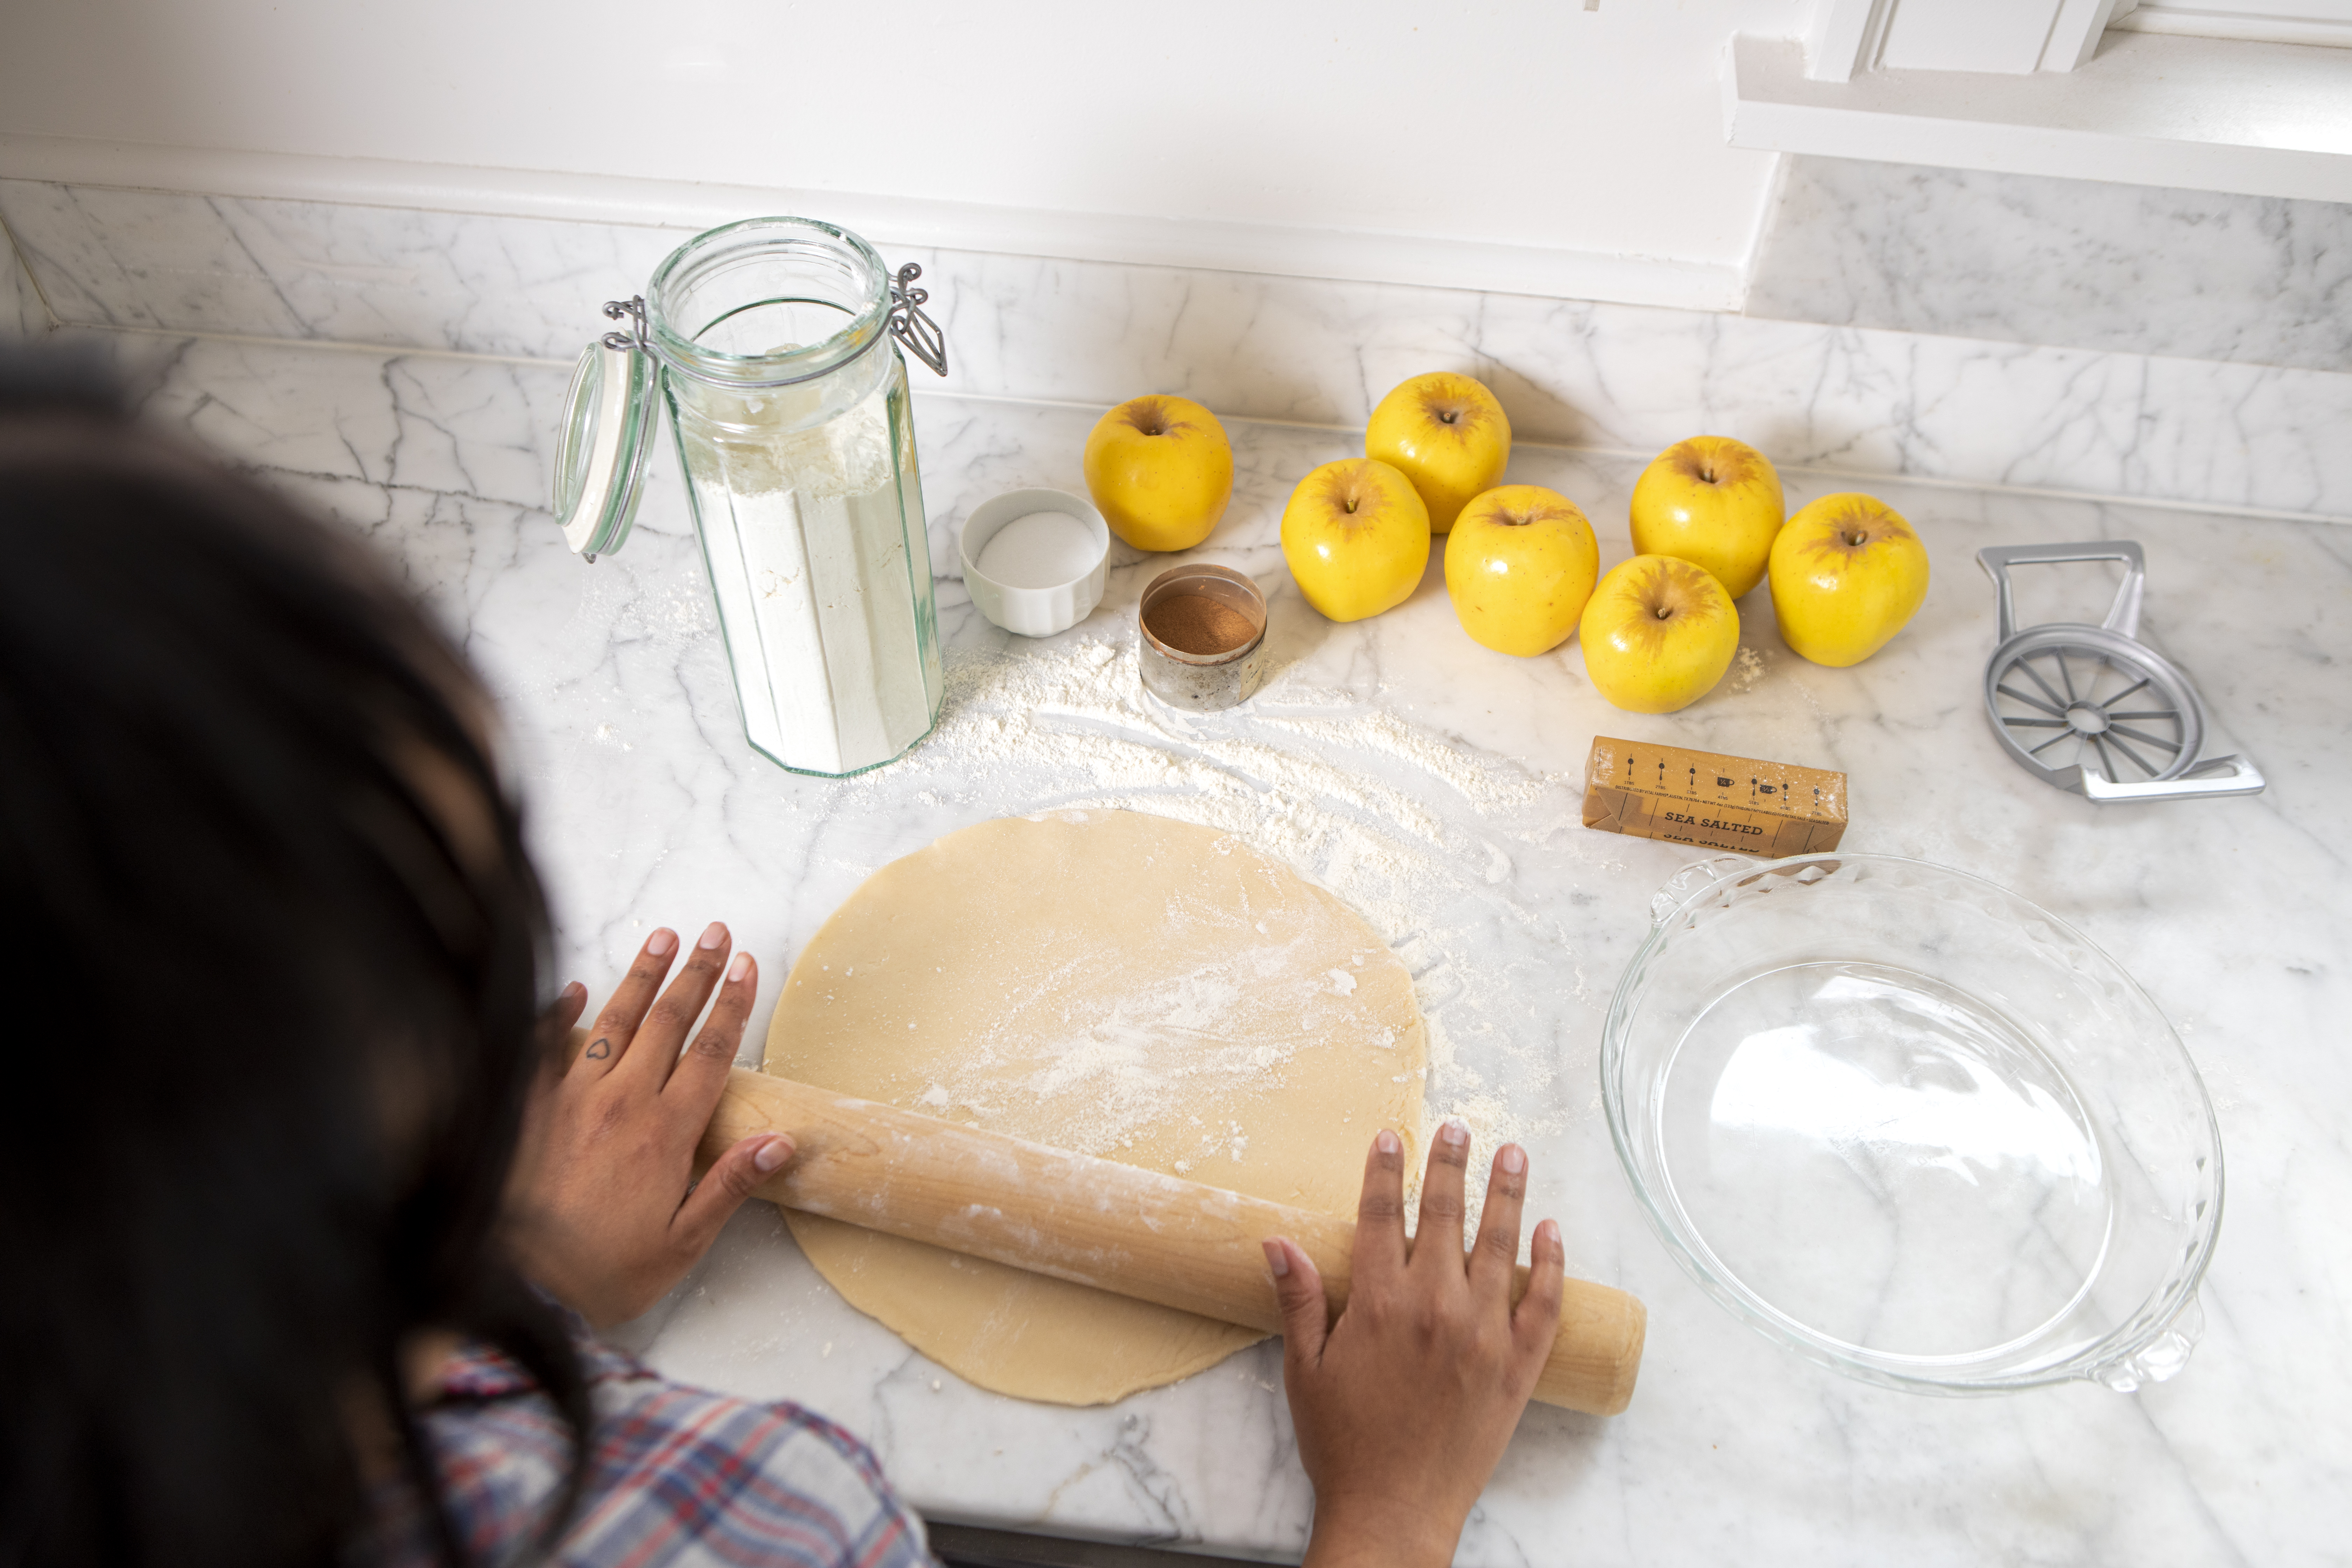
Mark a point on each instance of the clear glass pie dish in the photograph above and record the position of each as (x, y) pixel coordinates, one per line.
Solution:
(1913, 1127)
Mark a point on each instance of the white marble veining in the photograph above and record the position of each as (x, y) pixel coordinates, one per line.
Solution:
(2080, 263)
(22, 314)
(1607, 378)
(647, 806)
(319, 271)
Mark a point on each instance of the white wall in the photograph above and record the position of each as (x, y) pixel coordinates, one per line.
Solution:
(1529, 124)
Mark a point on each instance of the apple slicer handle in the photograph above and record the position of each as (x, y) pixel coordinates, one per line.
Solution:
(2122, 616)
(2211, 779)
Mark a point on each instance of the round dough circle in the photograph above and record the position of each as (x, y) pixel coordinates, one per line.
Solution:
(1119, 984)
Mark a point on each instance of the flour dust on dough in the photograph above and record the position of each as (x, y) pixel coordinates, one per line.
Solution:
(1118, 984)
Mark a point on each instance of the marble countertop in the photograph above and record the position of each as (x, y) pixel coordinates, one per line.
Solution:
(1434, 784)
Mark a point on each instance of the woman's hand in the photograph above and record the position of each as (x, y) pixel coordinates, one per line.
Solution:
(1403, 1406)
(607, 1214)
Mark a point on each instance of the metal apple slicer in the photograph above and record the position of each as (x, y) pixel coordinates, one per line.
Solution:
(2091, 708)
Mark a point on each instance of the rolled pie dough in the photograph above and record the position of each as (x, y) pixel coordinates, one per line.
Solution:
(1118, 984)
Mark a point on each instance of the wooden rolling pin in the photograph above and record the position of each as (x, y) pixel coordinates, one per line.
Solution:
(1095, 1222)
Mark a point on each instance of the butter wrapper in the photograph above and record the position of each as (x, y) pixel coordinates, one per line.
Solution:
(1741, 803)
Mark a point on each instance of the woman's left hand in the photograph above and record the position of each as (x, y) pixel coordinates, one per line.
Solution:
(606, 1211)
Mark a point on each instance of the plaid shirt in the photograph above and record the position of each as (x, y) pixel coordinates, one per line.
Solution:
(678, 1477)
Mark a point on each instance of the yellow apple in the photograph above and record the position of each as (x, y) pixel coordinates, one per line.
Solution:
(1658, 633)
(1712, 502)
(1847, 574)
(1160, 471)
(1357, 538)
(1447, 434)
(1519, 566)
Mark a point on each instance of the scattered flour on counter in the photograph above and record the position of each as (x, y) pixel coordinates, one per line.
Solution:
(1398, 822)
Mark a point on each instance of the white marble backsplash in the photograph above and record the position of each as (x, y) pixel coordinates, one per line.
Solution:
(22, 314)
(321, 271)
(2080, 263)
(1616, 378)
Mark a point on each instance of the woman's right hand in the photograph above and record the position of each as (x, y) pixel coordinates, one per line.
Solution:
(607, 1210)
(1404, 1404)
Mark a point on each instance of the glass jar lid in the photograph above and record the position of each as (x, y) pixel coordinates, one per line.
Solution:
(600, 456)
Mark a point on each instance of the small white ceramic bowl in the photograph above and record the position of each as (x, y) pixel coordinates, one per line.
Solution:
(1035, 612)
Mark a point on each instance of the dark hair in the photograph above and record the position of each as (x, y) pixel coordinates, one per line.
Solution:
(273, 904)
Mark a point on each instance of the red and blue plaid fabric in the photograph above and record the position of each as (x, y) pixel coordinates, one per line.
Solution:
(678, 1478)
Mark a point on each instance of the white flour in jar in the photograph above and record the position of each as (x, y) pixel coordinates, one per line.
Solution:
(806, 545)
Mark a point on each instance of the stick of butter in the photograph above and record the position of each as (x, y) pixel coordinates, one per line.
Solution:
(1699, 797)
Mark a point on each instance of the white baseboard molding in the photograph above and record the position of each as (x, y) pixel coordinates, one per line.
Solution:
(1270, 248)
(2153, 109)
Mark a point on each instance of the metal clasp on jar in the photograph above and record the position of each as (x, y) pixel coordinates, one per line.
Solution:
(910, 326)
(908, 323)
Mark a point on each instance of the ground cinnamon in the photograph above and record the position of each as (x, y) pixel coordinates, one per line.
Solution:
(1198, 625)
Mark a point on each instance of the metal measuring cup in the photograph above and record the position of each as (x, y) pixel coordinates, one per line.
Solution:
(1204, 682)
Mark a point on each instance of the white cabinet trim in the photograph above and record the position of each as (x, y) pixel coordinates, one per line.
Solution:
(2149, 109)
(2196, 22)
(1851, 37)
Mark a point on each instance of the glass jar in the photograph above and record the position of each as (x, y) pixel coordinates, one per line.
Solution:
(775, 344)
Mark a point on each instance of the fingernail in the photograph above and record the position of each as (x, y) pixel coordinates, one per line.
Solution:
(1387, 1143)
(1454, 1133)
(1276, 1259)
(770, 1155)
(571, 989)
(661, 941)
(739, 968)
(712, 937)
(1514, 1161)
(1547, 1232)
